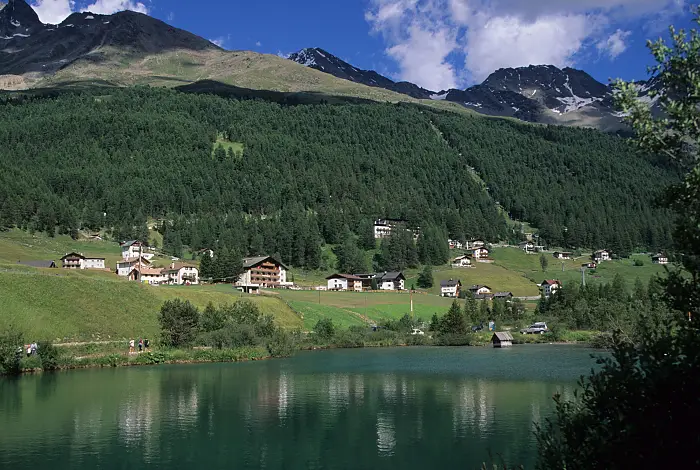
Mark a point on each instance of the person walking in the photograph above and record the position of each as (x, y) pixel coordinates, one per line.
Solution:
(140, 345)
(146, 344)
(131, 346)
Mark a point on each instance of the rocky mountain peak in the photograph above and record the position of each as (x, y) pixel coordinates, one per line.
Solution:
(18, 18)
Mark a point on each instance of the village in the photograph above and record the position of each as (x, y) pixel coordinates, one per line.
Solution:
(267, 272)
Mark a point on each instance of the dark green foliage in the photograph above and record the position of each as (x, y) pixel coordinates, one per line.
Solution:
(403, 325)
(212, 318)
(308, 171)
(11, 343)
(544, 262)
(638, 262)
(453, 323)
(351, 259)
(398, 252)
(324, 331)
(282, 343)
(639, 411)
(49, 355)
(471, 310)
(425, 278)
(179, 322)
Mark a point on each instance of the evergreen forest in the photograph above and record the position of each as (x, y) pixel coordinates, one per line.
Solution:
(314, 174)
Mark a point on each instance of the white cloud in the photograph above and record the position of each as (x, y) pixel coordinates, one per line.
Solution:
(220, 41)
(614, 45)
(53, 11)
(107, 7)
(171, 16)
(508, 41)
(258, 44)
(422, 58)
(425, 37)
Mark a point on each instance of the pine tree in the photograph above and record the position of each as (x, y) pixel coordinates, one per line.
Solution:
(453, 322)
(425, 278)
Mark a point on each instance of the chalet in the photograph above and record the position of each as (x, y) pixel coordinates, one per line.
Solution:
(527, 246)
(125, 267)
(473, 244)
(483, 296)
(659, 259)
(383, 228)
(263, 271)
(367, 280)
(591, 265)
(601, 255)
(131, 249)
(507, 296)
(479, 254)
(345, 282)
(502, 340)
(79, 261)
(450, 288)
(463, 261)
(562, 255)
(479, 290)
(38, 264)
(549, 287)
(455, 244)
(391, 281)
(182, 274)
(148, 275)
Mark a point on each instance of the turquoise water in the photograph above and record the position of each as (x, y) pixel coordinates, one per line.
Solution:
(347, 409)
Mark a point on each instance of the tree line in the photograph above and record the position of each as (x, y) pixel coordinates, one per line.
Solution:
(310, 174)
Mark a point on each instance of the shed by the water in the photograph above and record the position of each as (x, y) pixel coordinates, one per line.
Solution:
(502, 340)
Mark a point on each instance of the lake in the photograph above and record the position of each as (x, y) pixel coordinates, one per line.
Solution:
(406, 408)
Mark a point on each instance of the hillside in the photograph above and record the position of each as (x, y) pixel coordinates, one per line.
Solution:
(314, 169)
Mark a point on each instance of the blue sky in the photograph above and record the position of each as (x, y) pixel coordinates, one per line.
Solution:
(437, 44)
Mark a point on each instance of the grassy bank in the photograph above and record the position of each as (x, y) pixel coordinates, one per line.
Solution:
(71, 359)
(58, 305)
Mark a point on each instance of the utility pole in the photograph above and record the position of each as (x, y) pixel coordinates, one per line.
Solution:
(411, 304)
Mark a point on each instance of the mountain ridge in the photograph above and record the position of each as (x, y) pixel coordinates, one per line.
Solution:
(534, 93)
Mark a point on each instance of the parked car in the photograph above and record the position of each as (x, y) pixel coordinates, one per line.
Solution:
(538, 328)
(477, 328)
(418, 332)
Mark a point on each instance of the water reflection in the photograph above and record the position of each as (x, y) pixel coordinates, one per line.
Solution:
(315, 411)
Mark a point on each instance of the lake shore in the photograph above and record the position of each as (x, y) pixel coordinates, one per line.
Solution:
(109, 354)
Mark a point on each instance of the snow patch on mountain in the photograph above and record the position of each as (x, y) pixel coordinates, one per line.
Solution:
(439, 96)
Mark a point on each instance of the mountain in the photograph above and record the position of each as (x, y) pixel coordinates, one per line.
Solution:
(538, 93)
(28, 46)
(326, 62)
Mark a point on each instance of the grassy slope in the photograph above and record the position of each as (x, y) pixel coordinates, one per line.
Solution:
(244, 69)
(55, 304)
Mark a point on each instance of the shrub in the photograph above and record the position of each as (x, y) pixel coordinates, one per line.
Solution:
(453, 339)
(49, 354)
(281, 344)
(11, 342)
(324, 331)
(178, 321)
(638, 262)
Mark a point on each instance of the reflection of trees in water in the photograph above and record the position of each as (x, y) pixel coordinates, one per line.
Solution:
(268, 415)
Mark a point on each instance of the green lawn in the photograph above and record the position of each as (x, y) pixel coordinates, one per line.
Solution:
(498, 278)
(57, 305)
(236, 147)
(313, 312)
(528, 265)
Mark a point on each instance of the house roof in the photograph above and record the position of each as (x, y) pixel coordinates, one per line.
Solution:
(550, 282)
(178, 266)
(148, 271)
(563, 253)
(601, 251)
(450, 283)
(391, 276)
(130, 243)
(38, 263)
(460, 258)
(479, 286)
(256, 260)
(499, 295)
(483, 296)
(365, 276)
(134, 260)
(660, 255)
(503, 336)
(73, 255)
(349, 277)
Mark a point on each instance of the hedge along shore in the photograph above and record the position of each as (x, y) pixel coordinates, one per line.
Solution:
(170, 356)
